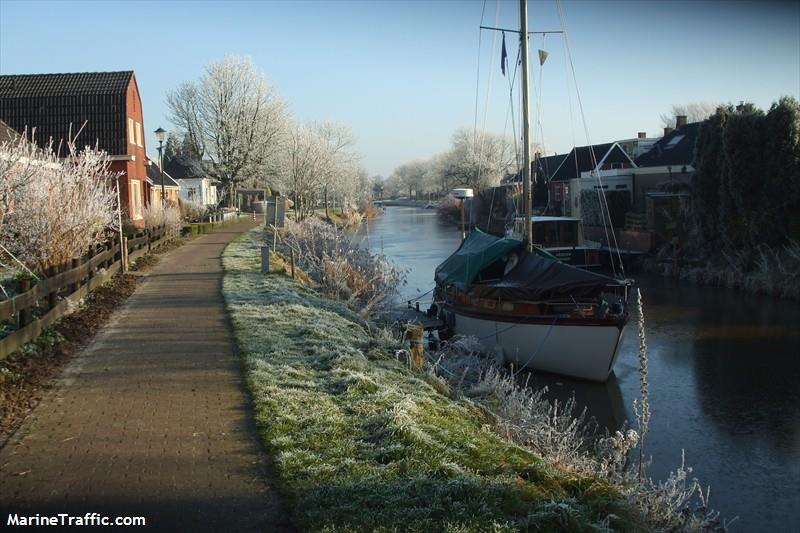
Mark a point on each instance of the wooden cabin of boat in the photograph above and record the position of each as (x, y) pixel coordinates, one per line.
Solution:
(563, 237)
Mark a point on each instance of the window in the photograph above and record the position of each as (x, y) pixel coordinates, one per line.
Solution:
(138, 134)
(557, 192)
(674, 141)
(136, 199)
(131, 134)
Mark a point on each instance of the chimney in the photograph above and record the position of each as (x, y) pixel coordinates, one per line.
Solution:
(641, 135)
(680, 120)
(667, 131)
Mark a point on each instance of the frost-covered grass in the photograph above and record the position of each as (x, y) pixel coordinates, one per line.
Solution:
(363, 443)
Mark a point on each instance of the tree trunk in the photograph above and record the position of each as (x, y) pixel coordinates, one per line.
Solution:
(326, 202)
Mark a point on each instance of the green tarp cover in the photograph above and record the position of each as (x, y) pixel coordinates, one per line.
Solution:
(478, 251)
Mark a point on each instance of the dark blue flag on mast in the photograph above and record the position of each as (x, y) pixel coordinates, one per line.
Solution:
(503, 56)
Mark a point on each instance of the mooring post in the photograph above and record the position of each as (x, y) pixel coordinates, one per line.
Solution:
(265, 259)
(415, 333)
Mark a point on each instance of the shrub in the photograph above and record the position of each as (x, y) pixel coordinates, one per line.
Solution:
(191, 211)
(156, 216)
(63, 206)
(342, 267)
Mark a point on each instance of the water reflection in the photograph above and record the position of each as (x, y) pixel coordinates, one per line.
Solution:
(603, 401)
(724, 378)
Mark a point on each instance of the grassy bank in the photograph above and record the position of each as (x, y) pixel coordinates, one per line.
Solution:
(361, 442)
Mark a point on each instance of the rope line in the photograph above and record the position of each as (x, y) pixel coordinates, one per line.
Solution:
(603, 201)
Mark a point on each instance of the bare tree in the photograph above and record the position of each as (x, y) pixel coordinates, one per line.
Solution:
(231, 117)
(693, 111)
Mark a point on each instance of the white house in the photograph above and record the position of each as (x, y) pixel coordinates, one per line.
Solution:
(195, 185)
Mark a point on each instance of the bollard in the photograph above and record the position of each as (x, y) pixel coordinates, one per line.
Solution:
(265, 259)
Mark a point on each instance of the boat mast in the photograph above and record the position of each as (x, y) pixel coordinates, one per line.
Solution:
(527, 233)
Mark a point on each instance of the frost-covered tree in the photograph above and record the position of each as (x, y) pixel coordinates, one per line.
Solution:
(411, 177)
(316, 159)
(231, 117)
(63, 206)
(477, 159)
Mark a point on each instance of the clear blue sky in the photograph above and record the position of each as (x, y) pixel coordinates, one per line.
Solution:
(403, 74)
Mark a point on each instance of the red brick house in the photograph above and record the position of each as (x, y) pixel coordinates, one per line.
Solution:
(107, 102)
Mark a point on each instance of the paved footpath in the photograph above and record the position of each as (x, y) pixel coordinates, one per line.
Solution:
(152, 419)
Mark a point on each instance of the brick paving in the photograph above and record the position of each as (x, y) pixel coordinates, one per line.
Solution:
(152, 418)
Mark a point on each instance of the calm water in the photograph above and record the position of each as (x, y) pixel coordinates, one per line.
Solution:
(724, 378)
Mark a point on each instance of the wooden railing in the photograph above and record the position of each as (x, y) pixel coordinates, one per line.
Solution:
(62, 288)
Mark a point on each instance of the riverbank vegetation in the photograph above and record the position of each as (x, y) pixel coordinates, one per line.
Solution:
(742, 220)
(362, 441)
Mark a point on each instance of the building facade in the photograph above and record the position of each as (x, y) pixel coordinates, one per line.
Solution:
(102, 109)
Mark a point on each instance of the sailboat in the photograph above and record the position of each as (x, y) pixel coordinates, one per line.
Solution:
(542, 314)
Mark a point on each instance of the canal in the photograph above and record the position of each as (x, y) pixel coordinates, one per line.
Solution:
(724, 378)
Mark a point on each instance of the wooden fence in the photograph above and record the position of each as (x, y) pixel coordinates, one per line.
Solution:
(52, 296)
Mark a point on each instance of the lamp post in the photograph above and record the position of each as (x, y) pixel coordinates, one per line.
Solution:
(160, 133)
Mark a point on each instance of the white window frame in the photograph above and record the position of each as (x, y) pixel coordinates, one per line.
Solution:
(138, 134)
(136, 199)
(131, 133)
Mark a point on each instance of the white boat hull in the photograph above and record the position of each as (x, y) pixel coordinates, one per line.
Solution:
(581, 351)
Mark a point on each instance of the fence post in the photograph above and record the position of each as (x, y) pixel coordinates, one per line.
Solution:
(24, 318)
(291, 255)
(52, 297)
(124, 250)
(76, 262)
(90, 271)
(117, 256)
(265, 259)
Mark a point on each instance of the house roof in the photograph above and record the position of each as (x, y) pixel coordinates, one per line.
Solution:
(154, 174)
(52, 103)
(543, 166)
(586, 158)
(183, 168)
(7, 133)
(675, 149)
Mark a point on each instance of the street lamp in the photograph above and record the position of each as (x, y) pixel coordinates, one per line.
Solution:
(160, 133)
